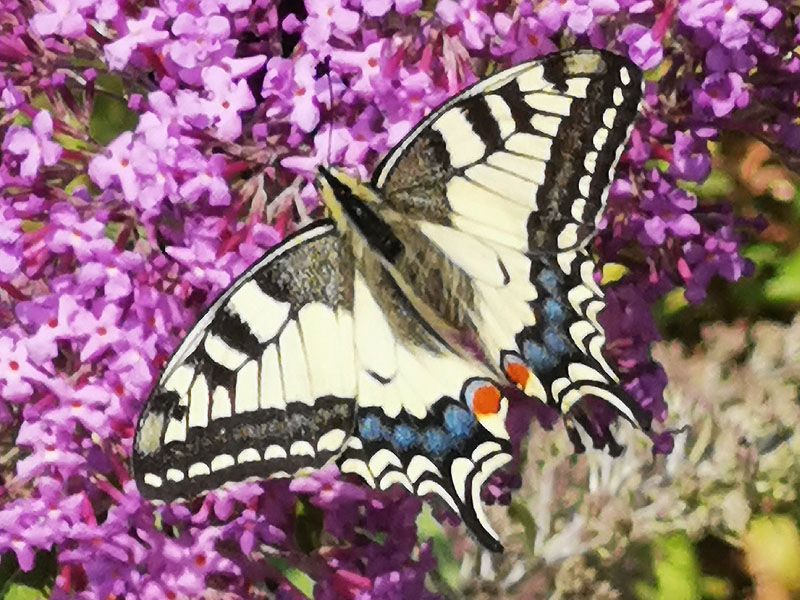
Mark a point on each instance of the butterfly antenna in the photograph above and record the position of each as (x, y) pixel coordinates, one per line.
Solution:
(330, 110)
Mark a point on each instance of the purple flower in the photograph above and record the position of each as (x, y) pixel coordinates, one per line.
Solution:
(297, 80)
(101, 331)
(643, 49)
(65, 17)
(34, 144)
(367, 63)
(11, 97)
(376, 8)
(140, 32)
(734, 30)
(198, 37)
(10, 243)
(120, 162)
(690, 159)
(16, 371)
(721, 93)
(226, 99)
(475, 25)
(70, 231)
(524, 38)
(326, 17)
(208, 178)
(99, 279)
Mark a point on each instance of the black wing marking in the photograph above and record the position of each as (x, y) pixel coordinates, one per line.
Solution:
(254, 389)
(544, 136)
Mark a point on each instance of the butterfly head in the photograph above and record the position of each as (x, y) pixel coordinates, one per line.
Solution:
(488, 405)
(354, 206)
(337, 188)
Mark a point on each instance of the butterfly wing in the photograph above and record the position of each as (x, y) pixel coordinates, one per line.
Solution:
(312, 355)
(261, 385)
(506, 181)
(427, 419)
(541, 139)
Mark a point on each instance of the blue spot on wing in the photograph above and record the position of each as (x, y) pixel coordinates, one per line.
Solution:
(548, 279)
(554, 311)
(458, 421)
(537, 357)
(403, 437)
(369, 428)
(555, 342)
(436, 441)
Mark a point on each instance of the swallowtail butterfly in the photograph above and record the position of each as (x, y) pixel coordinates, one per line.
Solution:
(382, 336)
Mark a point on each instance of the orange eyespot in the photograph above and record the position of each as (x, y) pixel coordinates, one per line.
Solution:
(517, 373)
(486, 401)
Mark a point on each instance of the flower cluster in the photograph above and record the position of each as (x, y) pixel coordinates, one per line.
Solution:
(150, 154)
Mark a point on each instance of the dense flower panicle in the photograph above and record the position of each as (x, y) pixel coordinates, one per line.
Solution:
(134, 190)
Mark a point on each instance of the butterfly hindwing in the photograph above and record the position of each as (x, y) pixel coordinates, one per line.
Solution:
(427, 419)
(309, 355)
(564, 348)
(260, 386)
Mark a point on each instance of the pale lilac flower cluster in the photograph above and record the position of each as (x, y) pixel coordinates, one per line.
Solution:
(113, 238)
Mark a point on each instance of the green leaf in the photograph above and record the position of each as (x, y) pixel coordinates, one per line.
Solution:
(763, 253)
(110, 117)
(675, 569)
(109, 83)
(307, 525)
(785, 286)
(19, 591)
(79, 181)
(447, 567)
(716, 588)
(518, 511)
(16, 584)
(674, 301)
(300, 580)
(70, 143)
(718, 184)
(662, 166)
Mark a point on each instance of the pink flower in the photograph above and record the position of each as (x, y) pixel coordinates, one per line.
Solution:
(474, 23)
(34, 144)
(64, 17)
(16, 371)
(325, 18)
(226, 99)
(141, 32)
(208, 177)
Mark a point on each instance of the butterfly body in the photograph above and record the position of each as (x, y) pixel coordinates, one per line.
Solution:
(381, 336)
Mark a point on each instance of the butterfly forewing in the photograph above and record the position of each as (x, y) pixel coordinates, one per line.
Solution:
(262, 385)
(540, 140)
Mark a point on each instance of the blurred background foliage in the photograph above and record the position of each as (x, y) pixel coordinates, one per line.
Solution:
(747, 175)
(717, 519)
(767, 551)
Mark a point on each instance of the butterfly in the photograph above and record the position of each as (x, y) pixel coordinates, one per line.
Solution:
(383, 336)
